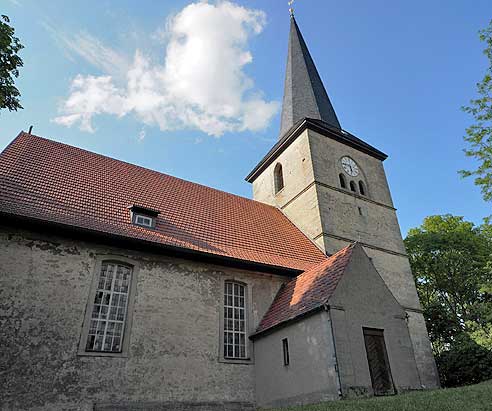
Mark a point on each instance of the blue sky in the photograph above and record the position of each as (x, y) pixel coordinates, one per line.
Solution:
(397, 74)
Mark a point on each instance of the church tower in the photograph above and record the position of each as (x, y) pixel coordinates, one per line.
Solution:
(333, 187)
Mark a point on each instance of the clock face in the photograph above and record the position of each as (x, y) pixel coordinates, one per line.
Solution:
(350, 166)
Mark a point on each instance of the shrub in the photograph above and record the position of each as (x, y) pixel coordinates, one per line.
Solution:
(465, 363)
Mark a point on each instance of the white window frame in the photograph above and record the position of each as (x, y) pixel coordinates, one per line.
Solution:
(143, 220)
(248, 358)
(94, 289)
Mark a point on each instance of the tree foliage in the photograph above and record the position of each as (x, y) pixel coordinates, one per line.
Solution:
(10, 62)
(451, 261)
(479, 135)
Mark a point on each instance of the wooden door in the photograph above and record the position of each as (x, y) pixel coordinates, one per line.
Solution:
(377, 357)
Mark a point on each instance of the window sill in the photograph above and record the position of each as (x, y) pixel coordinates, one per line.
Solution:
(101, 354)
(279, 192)
(355, 193)
(243, 361)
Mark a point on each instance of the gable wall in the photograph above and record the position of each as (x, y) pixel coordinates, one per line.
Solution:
(363, 300)
(174, 340)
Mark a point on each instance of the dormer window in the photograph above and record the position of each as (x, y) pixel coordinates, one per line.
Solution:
(143, 216)
(143, 220)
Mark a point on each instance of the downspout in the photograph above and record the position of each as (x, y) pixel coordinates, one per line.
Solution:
(337, 370)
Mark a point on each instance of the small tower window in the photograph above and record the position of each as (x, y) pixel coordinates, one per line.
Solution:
(343, 182)
(362, 188)
(353, 187)
(278, 177)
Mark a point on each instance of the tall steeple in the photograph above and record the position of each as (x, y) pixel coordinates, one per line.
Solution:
(304, 94)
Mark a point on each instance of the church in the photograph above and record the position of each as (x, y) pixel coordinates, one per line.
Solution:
(123, 288)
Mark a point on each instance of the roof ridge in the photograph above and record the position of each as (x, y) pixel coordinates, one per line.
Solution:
(59, 143)
(346, 250)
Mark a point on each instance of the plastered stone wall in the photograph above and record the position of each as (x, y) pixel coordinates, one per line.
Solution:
(347, 216)
(363, 300)
(304, 212)
(297, 171)
(326, 155)
(429, 376)
(298, 200)
(174, 340)
(311, 374)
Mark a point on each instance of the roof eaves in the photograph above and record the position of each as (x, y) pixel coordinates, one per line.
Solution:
(320, 127)
(287, 322)
(177, 251)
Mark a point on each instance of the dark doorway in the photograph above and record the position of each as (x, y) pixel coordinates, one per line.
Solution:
(379, 366)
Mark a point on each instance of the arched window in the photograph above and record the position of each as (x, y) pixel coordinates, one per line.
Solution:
(234, 320)
(362, 188)
(353, 187)
(343, 182)
(278, 177)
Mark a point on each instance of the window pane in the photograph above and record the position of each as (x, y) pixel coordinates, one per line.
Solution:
(234, 321)
(110, 309)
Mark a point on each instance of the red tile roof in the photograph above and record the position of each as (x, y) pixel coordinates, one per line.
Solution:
(310, 290)
(57, 183)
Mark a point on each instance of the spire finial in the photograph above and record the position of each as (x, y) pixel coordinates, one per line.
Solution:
(291, 9)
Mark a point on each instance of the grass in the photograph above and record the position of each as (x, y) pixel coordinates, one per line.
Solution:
(473, 398)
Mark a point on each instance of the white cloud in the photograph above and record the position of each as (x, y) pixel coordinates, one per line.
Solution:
(141, 135)
(201, 84)
(90, 49)
(90, 96)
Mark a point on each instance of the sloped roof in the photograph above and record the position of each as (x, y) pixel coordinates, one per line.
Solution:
(304, 92)
(49, 181)
(308, 291)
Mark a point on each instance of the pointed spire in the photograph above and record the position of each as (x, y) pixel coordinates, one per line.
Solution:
(304, 93)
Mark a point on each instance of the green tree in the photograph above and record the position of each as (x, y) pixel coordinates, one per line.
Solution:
(450, 259)
(10, 62)
(451, 262)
